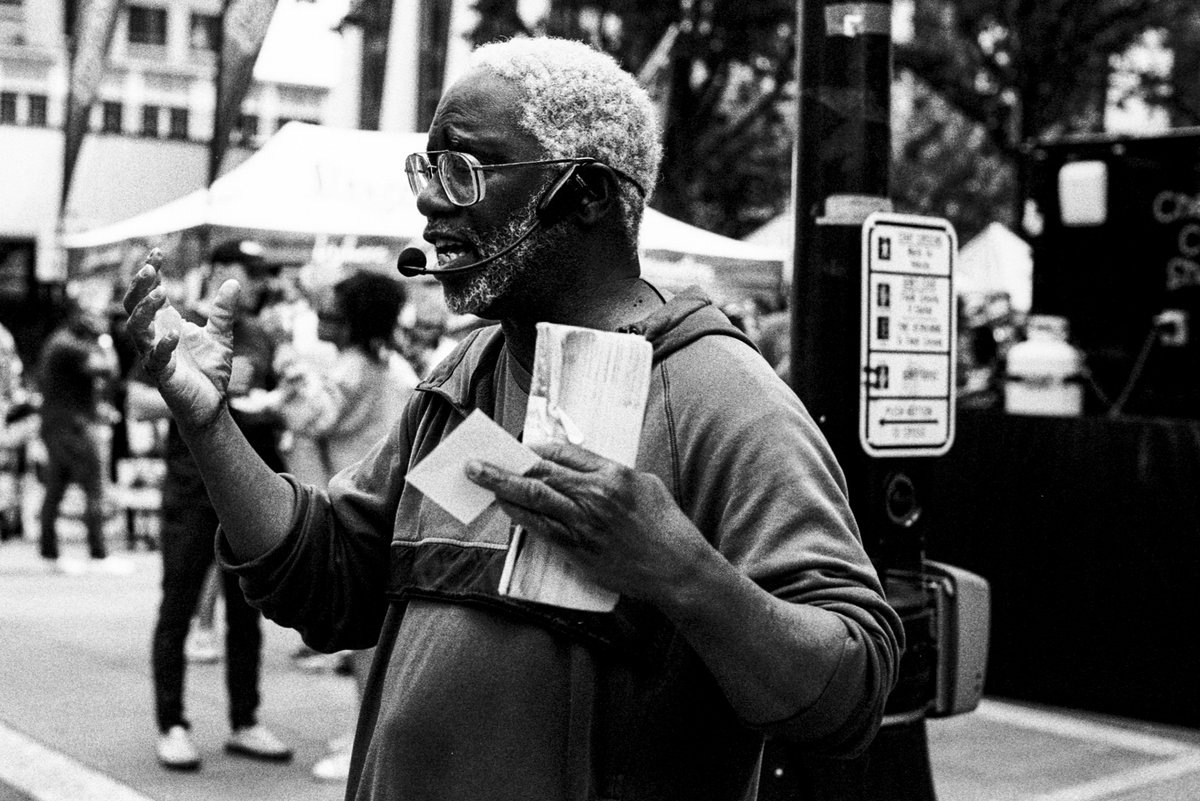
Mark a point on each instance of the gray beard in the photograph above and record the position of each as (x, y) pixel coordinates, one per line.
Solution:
(532, 268)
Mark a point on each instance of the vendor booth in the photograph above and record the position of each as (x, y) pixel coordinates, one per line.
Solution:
(333, 197)
(996, 261)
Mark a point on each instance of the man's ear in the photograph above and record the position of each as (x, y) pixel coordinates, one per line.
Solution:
(600, 196)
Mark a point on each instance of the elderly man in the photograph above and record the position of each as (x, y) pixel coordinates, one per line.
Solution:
(747, 603)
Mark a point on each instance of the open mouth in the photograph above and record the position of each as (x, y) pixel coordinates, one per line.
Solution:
(454, 255)
(452, 251)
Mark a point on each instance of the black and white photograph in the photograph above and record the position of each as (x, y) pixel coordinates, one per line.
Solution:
(595, 400)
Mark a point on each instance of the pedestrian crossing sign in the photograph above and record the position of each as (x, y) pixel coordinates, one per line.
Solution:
(908, 336)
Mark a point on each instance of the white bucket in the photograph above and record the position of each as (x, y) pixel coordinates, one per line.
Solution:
(1044, 373)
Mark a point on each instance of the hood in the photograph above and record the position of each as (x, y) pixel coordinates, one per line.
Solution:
(685, 318)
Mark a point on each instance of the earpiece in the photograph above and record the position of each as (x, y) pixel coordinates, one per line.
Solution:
(578, 184)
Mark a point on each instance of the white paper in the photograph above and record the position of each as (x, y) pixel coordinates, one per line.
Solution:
(441, 475)
(589, 388)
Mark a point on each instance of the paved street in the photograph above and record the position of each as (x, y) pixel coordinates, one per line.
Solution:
(76, 721)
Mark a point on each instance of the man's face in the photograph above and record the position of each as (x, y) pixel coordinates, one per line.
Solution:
(479, 115)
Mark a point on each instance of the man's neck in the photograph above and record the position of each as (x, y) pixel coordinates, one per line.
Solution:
(606, 308)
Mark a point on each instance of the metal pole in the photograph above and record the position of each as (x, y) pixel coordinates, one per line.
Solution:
(841, 166)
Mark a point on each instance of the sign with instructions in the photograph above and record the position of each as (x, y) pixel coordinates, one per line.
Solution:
(907, 392)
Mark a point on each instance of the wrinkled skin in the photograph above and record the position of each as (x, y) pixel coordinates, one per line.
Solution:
(191, 364)
(621, 525)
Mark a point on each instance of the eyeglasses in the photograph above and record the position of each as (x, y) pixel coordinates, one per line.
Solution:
(461, 174)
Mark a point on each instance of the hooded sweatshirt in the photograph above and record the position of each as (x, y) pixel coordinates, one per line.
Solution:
(474, 695)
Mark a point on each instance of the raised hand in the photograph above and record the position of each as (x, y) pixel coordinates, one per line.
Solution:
(190, 364)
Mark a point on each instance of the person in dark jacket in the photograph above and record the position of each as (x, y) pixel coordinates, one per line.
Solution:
(76, 420)
(747, 605)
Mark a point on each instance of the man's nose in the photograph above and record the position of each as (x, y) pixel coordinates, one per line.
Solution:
(432, 200)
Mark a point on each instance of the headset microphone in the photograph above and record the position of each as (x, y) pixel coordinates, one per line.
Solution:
(412, 260)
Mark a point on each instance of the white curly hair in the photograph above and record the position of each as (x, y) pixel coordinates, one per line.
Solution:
(580, 103)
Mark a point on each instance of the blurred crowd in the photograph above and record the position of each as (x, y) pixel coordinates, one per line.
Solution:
(66, 419)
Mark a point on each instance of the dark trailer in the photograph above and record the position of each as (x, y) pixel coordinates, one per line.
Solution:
(1118, 255)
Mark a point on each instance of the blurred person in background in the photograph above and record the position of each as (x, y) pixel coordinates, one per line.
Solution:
(423, 332)
(354, 404)
(189, 523)
(346, 411)
(18, 426)
(74, 368)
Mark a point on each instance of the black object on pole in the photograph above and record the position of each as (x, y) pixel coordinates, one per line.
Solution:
(841, 166)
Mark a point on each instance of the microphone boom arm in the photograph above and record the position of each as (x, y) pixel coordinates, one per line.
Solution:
(412, 260)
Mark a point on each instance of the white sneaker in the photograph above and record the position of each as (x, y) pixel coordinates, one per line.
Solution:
(257, 742)
(65, 567)
(176, 751)
(114, 566)
(200, 647)
(333, 768)
(317, 662)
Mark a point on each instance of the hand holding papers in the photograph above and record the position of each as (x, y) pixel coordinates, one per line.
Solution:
(589, 388)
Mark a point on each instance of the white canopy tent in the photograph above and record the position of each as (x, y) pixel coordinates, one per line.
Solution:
(310, 184)
(777, 234)
(996, 260)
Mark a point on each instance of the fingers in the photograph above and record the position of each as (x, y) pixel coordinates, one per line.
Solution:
(527, 491)
(144, 299)
(220, 320)
(157, 360)
(144, 280)
(570, 456)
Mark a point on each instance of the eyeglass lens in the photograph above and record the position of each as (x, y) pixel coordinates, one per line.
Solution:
(459, 181)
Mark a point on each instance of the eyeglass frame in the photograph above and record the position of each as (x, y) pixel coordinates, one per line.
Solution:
(478, 168)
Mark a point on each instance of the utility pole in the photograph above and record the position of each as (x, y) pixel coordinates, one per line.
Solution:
(841, 166)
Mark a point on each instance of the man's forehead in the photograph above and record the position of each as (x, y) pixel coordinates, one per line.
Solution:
(482, 108)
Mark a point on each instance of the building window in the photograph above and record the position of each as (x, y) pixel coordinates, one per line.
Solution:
(150, 121)
(177, 127)
(147, 26)
(111, 113)
(247, 129)
(37, 110)
(206, 32)
(8, 108)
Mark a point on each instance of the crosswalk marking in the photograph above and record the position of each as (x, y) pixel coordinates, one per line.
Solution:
(1109, 786)
(1073, 728)
(47, 775)
(1174, 759)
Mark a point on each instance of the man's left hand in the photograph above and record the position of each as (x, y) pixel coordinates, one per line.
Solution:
(621, 525)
